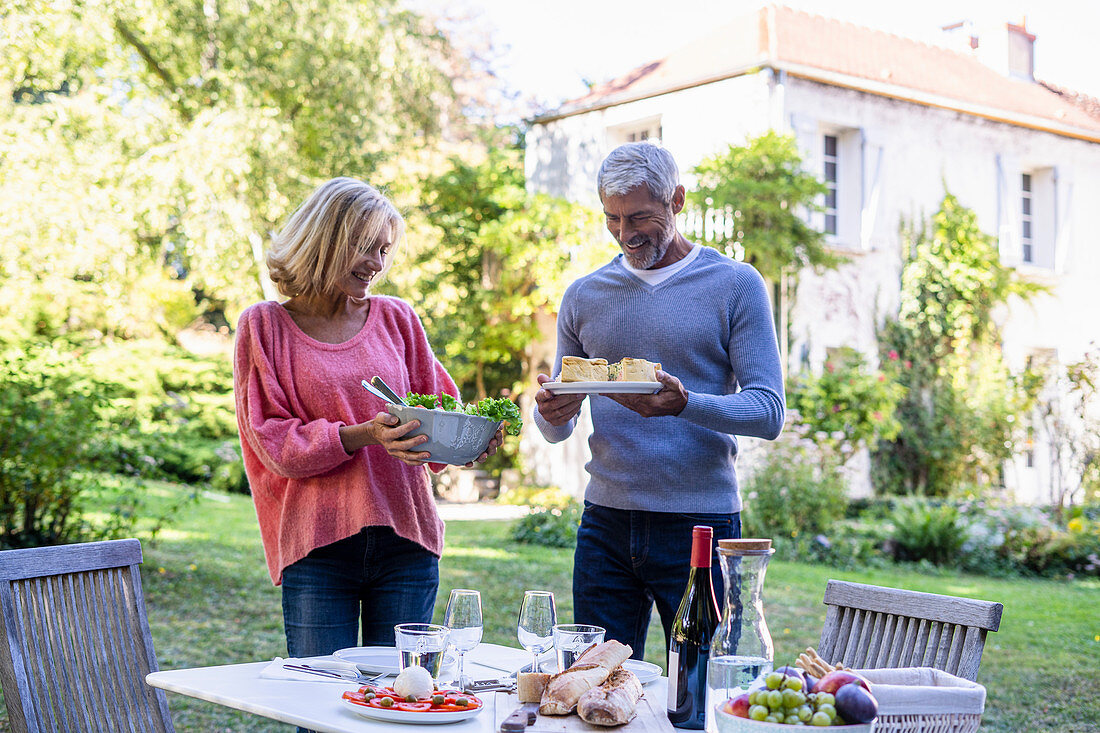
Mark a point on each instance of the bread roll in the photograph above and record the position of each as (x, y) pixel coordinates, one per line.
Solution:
(591, 668)
(579, 369)
(613, 702)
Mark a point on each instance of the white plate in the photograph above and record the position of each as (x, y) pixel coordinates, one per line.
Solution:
(379, 659)
(644, 671)
(412, 718)
(603, 387)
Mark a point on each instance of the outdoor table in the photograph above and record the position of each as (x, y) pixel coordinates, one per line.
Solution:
(317, 705)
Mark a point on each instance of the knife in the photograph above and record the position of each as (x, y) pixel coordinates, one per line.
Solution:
(520, 718)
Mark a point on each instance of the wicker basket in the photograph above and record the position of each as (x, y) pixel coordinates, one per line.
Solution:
(925, 700)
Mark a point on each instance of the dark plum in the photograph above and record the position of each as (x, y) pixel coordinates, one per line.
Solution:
(811, 682)
(855, 704)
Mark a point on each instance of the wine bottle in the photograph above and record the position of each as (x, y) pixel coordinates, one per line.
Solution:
(689, 644)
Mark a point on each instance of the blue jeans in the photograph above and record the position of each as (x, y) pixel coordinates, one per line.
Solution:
(373, 578)
(628, 560)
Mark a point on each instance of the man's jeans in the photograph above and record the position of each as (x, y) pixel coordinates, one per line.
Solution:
(627, 560)
(374, 574)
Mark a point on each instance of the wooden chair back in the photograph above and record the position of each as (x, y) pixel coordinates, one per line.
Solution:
(870, 626)
(76, 646)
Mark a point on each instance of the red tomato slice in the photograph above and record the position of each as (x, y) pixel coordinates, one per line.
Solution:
(413, 707)
(355, 696)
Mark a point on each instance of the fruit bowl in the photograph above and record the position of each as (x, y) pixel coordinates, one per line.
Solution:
(454, 437)
(728, 723)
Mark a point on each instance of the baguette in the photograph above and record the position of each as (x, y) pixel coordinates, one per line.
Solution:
(612, 703)
(591, 669)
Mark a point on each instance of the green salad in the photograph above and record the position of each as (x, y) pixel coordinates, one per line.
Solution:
(494, 408)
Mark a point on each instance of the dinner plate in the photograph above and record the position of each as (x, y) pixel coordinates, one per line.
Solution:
(412, 718)
(382, 659)
(644, 671)
(602, 387)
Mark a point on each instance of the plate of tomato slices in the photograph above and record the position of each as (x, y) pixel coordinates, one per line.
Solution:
(442, 706)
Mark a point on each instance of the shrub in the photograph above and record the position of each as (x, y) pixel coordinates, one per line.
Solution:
(49, 416)
(554, 526)
(792, 493)
(926, 531)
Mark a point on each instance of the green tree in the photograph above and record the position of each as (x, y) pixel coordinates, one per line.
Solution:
(154, 141)
(763, 187)
(962, 406)
(503, 258)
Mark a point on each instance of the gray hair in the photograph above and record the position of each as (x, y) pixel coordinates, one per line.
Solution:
(636, 164)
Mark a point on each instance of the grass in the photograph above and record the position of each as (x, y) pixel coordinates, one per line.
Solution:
(210, 601)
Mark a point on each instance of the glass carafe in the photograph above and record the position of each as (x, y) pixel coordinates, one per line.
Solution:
(741, 648)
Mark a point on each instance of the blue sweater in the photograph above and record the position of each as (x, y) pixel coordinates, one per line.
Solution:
(709, 325)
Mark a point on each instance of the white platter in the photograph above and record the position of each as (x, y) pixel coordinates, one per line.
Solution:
(602, 387)
(411, 718)
(644, 671)
(382, 659)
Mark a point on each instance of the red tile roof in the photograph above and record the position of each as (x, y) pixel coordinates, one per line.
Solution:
(844, 54)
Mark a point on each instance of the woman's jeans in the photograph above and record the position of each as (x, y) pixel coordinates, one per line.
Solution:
(373, 576)
(627, 560)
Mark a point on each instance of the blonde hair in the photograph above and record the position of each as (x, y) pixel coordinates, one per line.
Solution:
(320, 239)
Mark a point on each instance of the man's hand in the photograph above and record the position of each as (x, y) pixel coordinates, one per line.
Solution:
(557, 409)
(669, 401)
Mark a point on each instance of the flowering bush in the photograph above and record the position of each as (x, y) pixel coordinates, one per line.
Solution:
(849, 405)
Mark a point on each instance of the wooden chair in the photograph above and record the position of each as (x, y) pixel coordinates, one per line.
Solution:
(869, 626)
(76, 646)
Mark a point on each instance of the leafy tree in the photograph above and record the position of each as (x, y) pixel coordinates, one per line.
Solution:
(503, 257)
(762, 185)
(154, 141)
(962, 406)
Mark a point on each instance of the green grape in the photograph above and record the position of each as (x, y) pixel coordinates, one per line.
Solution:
(828, 710)
(775, 699)
(753, 697)
(792, 719)
(820, 719)
(758, 712)
(825, 698)
(772, 719)
(793, 698)
(774, 680)
(805, 712)
(793, 683)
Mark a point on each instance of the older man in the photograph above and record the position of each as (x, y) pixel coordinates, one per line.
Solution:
(661, 463)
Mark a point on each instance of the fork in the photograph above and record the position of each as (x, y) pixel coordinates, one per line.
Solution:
(350, 677)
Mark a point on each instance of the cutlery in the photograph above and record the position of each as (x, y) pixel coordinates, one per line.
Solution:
(504, 685)
(349, 676)
(520, 718)
(378, 393)
(381, 384)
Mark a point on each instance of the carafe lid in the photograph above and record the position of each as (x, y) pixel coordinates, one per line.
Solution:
(744, 546)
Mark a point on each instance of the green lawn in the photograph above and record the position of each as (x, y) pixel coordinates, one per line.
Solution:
(210, 601)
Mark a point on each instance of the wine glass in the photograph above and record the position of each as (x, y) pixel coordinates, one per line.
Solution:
(463, 618)
(535, 629)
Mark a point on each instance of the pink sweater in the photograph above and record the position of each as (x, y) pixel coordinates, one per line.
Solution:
(293, 393)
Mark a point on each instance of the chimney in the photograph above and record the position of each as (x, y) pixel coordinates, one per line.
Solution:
(1005, 47)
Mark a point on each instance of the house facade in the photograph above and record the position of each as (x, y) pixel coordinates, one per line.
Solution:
(888, 123)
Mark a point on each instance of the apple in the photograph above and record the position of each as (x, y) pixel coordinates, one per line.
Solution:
(738, 706)
(836, 679)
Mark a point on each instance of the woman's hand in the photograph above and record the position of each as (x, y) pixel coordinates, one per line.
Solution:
(495, 443)
(387, 431)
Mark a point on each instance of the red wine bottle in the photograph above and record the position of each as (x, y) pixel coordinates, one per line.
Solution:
(689, 644)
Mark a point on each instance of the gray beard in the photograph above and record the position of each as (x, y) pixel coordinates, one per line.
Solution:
(652, 251)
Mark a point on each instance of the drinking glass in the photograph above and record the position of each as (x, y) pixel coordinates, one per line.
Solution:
(422, 645)
(463, 618)
(535, 629)
(573, 640)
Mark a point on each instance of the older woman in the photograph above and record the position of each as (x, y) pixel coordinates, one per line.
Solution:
(343, 499)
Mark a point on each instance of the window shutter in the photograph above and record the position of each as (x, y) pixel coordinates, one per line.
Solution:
(872, 159)
(1063, 208)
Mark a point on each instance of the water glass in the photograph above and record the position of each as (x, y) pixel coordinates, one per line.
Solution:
(422, 645)
(535, 628)
(463, 618)
(573, 640)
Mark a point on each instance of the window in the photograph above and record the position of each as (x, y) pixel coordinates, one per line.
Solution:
(636, 131)
(1026, 241)
(831, 161)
